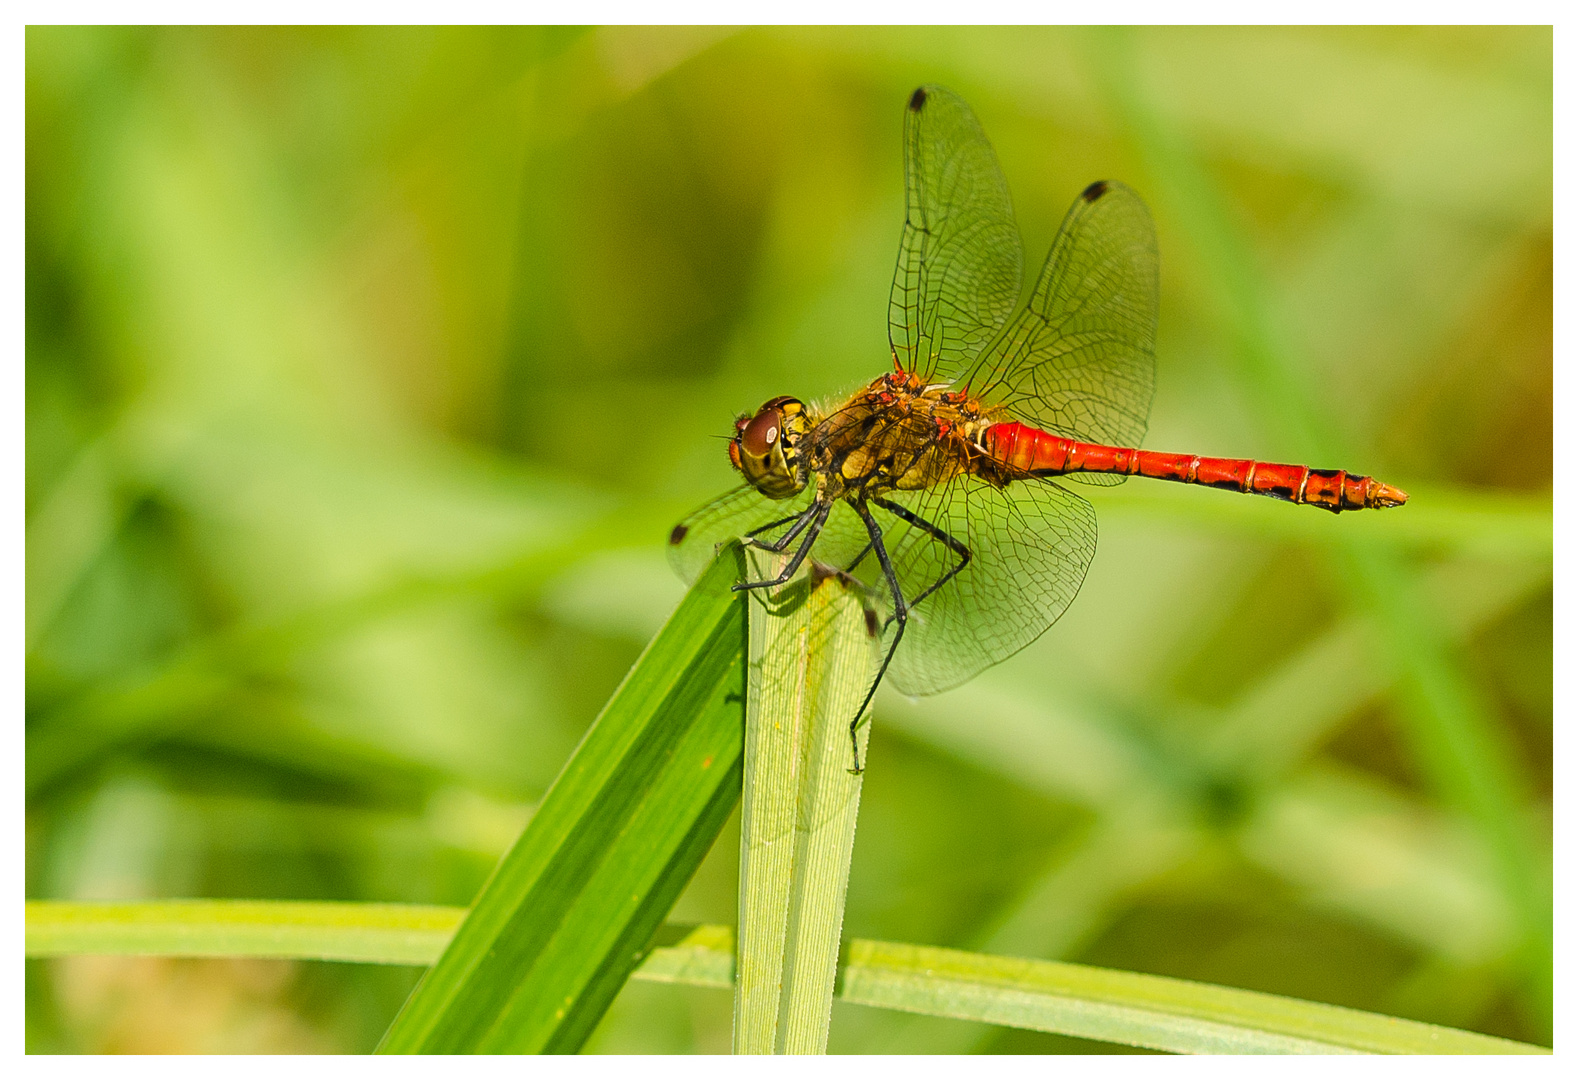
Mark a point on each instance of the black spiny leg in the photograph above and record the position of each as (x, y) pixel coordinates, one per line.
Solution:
(936, 534)
(801, 520)
(900, 612)
(901, 609)
(813, 530)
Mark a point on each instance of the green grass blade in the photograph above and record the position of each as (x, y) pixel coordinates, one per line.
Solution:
(811, 665)
(364, 933)
(1137, 1010)
(571, 910)
(414, 934)
(691, 956)
(1068, 999)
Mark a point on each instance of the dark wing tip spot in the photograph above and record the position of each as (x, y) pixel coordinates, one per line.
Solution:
(917, 99)
(1095, 191)
(678, 535)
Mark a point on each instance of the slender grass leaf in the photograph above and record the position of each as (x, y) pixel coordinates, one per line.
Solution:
(571, 910)
(1070, 999)
(1137, 1010)
(365, 933)
(811, 665)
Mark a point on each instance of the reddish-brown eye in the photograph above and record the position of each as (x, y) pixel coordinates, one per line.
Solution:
(761, 434)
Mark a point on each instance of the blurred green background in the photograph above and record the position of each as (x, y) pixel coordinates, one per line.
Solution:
(367, 370)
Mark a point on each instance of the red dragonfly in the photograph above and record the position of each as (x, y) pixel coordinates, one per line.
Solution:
(938, 486)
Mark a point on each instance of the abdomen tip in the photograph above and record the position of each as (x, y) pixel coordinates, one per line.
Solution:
(1386, 495)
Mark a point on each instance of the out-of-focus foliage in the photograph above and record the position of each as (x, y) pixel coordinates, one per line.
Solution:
(367, 368)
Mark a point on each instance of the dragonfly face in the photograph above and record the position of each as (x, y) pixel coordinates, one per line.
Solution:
(766, 448)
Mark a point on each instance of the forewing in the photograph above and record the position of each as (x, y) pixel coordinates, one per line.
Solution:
(960, 260)
(1030, 545)
(1080, 360)
(694, 543)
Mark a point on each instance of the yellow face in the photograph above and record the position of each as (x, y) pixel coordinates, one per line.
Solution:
(766, 447)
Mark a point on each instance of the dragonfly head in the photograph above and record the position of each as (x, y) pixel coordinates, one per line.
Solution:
(766, 447)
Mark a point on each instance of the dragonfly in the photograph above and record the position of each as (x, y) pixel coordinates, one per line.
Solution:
(940, 488)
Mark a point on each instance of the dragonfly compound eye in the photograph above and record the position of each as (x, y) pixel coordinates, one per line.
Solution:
(764, 448)
(760, 436)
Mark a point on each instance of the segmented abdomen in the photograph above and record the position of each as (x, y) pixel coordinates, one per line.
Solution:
(1031, 451)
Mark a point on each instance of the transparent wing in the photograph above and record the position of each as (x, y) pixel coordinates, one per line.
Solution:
(960, 260)
(1030, 545)
(1080, 359)
(694, 543)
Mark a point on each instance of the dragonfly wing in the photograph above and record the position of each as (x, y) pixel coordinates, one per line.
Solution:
(1080, 359)
(694, 543)
(1030, 545)
(960, 260)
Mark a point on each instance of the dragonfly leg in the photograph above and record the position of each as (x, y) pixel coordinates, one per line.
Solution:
(787, 538)
(819, 513)
(900, 612)
(850, 569)
(936, 534)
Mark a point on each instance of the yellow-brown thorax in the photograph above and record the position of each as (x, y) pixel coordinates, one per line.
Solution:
(897, 434)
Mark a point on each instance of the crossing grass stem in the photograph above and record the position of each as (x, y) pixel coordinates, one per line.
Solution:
(1070, 999)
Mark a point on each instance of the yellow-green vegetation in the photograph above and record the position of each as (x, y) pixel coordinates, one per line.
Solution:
(367, 371)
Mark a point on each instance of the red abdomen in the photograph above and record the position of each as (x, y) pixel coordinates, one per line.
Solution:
(1032, 452)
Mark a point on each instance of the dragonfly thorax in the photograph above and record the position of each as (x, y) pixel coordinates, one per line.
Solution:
(766, 447)
(897, 434)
